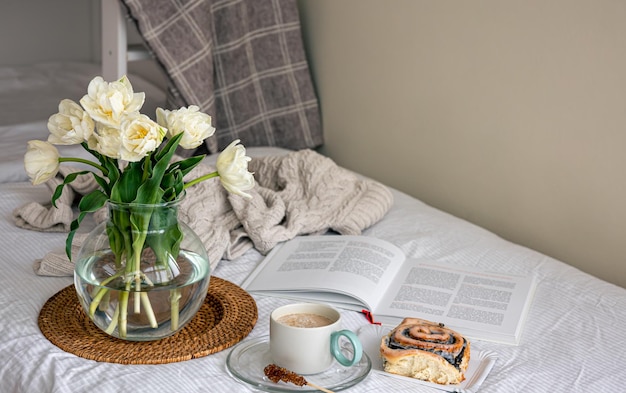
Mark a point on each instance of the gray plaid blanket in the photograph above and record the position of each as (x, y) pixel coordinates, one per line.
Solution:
(241, 61)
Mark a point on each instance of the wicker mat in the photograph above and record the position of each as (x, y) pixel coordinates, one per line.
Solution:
(227, 316)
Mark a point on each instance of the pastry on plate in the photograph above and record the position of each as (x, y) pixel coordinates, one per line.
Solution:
(425, 350)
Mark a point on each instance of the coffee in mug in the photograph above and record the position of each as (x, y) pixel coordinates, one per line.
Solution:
(304, 320)
(304, 338)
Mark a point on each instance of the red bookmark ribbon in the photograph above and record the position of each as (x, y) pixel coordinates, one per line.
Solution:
(370, 317)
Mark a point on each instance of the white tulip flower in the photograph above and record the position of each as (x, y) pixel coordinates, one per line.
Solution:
(106, 141)
(71, 126)
(41, 161)
(139, 136)
(108, 102)
(195, 125)
(232, 167)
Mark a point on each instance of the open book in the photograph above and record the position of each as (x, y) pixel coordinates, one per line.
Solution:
(366, 273)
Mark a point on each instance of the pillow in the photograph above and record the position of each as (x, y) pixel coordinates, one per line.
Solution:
(32, 92)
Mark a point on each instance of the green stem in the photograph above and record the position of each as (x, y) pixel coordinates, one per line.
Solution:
(200, 179)
(113, 324)
(174, 305)
(85, 161)
(123, 314)
(101, 292)
(141, 298)
(137, 245)
(122, 307)
(137, 293)
(147, 306)
(104, 304)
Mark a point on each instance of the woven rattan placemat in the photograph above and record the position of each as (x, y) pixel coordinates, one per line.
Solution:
(227, 316)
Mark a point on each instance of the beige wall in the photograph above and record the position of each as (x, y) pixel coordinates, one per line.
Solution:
(510, 114)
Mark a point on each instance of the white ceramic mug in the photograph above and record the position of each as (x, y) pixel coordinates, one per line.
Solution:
(310, 350)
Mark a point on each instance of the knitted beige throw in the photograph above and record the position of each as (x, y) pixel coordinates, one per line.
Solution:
(299, 193)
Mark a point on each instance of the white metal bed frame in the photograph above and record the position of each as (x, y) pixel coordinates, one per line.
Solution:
(116, 53)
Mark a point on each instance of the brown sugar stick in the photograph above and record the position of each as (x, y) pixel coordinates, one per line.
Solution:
(276, 373)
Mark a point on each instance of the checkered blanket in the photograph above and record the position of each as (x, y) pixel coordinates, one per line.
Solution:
(241, 61)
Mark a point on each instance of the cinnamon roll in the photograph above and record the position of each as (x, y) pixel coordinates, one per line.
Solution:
(425, 350)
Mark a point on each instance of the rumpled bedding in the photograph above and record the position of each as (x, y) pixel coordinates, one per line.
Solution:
(299, 193)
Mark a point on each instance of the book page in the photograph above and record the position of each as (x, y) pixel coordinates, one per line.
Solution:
(476, 303)
(349, 271)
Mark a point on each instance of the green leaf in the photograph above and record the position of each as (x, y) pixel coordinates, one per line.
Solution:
(68, 179)
(186, 165)
(166, 241)
(102, 183)
(113, 171)
(150, 191)
(124, 190)
(92, 201)
(119, 231)
(172, 185)
(117, 239)
(165, 149)
(88, 204)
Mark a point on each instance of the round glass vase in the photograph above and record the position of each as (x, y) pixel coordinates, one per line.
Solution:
(142, 275)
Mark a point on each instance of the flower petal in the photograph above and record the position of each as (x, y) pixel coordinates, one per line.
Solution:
(41, 161)
(232, 167)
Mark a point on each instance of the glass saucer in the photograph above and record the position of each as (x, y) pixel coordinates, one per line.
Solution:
(246, 362)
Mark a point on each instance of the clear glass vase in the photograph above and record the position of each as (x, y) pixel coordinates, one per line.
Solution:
(142, 275)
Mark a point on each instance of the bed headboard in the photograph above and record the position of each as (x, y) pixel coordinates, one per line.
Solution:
(116, 50)
(113, 40)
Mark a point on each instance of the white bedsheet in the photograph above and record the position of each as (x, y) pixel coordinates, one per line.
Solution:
(573, 340)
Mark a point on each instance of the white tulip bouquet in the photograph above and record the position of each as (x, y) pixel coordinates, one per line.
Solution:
(134, 166)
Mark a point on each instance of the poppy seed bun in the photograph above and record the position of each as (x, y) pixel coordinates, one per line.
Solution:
(425, 350)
